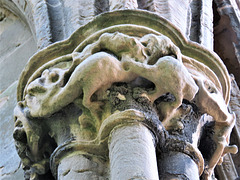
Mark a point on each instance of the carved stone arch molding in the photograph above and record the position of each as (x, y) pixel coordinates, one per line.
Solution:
(17, 7)
(30, 13)
(120, 90)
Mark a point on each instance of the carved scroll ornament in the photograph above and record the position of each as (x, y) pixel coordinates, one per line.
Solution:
(74, 103)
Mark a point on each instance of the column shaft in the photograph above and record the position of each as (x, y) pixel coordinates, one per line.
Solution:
(132, 153)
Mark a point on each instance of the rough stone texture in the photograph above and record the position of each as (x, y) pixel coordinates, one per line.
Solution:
(235, 107)
(54, 20)
(16, 49)
(227, 35)
(10, 164)
(206, 37)
(16, 175)
(84, 167)
(77, 13)
(21, 9)
(68, 15)
(201, 26)
(41, 22)
(226, 170)
(17, 45)
(75, 87)
(176, 13)
(123, 4)
(35, 15)
(176, 165)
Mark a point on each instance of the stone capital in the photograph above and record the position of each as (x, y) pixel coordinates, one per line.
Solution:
(126, 79)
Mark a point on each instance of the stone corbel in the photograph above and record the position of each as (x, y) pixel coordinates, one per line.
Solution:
(122, 98)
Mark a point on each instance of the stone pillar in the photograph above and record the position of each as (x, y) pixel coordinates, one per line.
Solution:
(83, 166)
(177, 165)
(132, 153)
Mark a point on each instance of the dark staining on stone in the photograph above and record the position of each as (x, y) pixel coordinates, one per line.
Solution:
(135, 99)
(48, 175)
(115, 102)
(66, 172)
(48, 146)
(20, 135)
(167, 175)
(177, 139)
(207, 146)
(143, 83)
(2, 16)
(87, 157)
(190, 121)
(189, 118)
(173, 144)
(168, 97)
(194, 107)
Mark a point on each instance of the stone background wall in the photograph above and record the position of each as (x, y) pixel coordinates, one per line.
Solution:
(17, 45)
(29, 25)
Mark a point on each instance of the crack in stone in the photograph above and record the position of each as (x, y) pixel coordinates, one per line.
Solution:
(10, 173)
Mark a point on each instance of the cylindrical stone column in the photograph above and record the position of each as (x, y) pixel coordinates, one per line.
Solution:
(132, 153)
(79, 165)
(177, 165)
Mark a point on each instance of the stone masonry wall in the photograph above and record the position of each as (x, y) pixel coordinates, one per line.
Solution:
(16, 46)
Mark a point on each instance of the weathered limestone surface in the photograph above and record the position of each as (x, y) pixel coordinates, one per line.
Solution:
(173, 164)
(64, 17)
(227, 35)
(17, 45)
(53, 20)
(132, 153)
(235, 107)
(118, 79)
(227, 170)
(35, 15)
(201, 23)
(16, 48)
(122, 4)
(10, 164)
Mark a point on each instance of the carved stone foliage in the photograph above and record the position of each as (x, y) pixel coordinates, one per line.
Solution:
(123, 97)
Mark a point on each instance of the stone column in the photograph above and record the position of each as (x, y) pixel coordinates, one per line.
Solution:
(132, 153)
(84, 166)
(177, 165)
